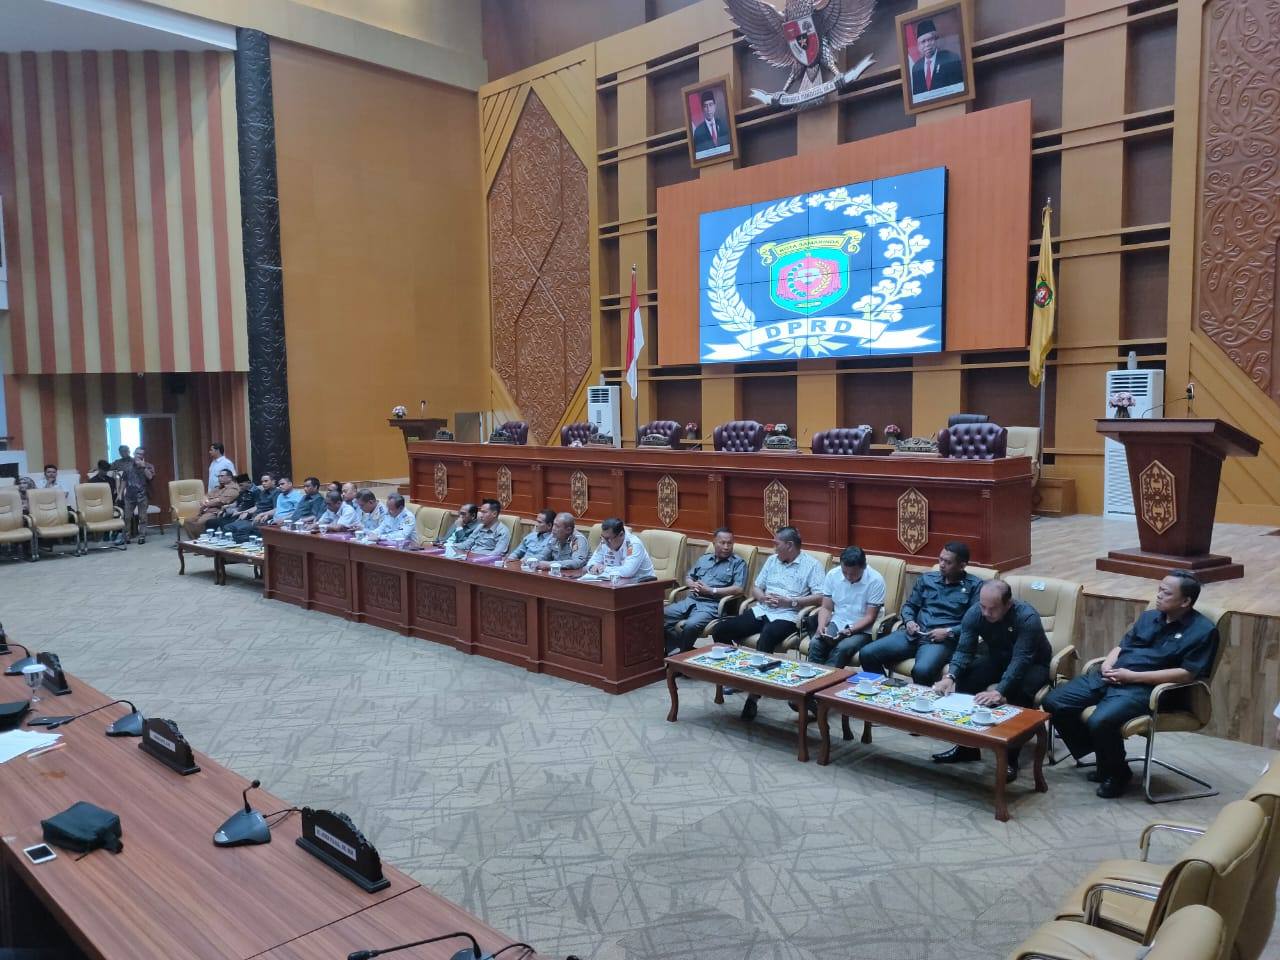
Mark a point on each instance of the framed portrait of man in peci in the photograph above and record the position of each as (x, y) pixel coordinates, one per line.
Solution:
(708, 119)
(937, 65)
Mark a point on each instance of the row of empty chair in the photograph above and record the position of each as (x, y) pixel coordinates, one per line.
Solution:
(49, 520)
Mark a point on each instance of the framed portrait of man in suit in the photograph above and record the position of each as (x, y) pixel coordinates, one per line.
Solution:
(937, 66)
(708, 118)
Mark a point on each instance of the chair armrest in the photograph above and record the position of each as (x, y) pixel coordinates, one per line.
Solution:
(675, 592)
(1190, 829)
(1201, 699)
(117, 513)
(729, 606)
(73, 516)
(1093, 896)
(1160, 689)
(1092, 665)
(888, 623)
(1063, 665)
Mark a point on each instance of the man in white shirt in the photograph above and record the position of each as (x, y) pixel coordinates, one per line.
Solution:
(620, 550)
(217, 463)
(369, 512)
(851, 600)
(399, 525)
(789, 581)
(338, 515)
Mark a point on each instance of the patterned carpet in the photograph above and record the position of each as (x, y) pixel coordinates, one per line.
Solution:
(583, 822)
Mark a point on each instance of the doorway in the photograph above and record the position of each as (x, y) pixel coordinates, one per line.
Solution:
(155, 433)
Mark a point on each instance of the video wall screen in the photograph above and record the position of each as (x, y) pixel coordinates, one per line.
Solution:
(853, 271)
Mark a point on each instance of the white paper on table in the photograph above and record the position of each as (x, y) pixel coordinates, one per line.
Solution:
(955, 702)
(17, 742)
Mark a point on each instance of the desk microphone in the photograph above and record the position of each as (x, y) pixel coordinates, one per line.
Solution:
(244, 827)
(473, 953)
(130, 725)
(1188, 398)
(15, 669)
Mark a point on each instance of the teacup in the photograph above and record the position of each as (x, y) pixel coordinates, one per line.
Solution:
(866, 688)
(983, 715)
(922, 704)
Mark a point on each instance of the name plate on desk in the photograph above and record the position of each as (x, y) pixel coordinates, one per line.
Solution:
(162, 740)
(54, 680)
(777, 442)
(334, 840)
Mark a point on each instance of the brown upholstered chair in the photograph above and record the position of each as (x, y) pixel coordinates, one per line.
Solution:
(739, 436)
(1132, 898)
(1193, 933)
(51, 519)
(98, 516)
(670, 429)
(581, 432)
(430, 522)
(842, 441)
(666, 550)
(185, 497)
(517, 430)
(13, 527)
(973, 441)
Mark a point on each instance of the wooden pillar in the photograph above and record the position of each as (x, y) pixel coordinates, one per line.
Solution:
(720, 400)
(817, 401)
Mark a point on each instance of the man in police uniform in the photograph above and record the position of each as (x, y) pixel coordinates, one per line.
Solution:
(464, 526)
(621, 551)
(535, 542)
(491, 537)
(718, 574)
(1170, 644)
(1002, 657)
(567, 546)
(930, 620)
(399, 525)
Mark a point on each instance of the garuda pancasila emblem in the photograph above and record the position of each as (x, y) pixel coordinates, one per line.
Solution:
(806, 38)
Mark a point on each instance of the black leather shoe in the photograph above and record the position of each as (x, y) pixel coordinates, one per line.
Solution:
(1112, 787)
(1010, 772)
(749, 709)
(958, 755)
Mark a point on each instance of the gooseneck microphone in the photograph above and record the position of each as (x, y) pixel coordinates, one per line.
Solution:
(248, 826)
(130, 725)
(15, 669)
(473, 953)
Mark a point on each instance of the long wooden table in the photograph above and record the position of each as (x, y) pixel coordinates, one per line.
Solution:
(606, 635)
(170, 893)
(900, 506)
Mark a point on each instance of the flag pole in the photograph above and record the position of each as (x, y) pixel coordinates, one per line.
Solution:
(635, 402)
(1048, 203)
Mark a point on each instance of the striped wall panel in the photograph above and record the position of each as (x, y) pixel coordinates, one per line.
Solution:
(61, 418)
(120, 178)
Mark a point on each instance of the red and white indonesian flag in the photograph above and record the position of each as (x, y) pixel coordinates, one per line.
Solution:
(635, 336)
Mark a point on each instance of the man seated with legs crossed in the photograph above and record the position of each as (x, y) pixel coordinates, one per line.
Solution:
(851, 600)
(1170, 644)
(930, 620)
(1002, 657)
(788, 581)
(718, 574)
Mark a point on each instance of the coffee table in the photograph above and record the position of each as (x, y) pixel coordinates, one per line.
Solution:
(222, 558)
(999, 738)
(778, 684)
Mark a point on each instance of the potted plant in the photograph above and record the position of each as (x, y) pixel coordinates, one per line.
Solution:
(1121, 402)
(398, 411)
(892, 432)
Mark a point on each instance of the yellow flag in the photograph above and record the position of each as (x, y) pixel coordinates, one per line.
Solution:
(1044, 304)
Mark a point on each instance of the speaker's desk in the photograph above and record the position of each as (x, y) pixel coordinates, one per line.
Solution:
(899, 506)
(605, 635)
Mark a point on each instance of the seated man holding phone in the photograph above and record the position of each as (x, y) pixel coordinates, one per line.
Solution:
(1002, 657)
(851, 600)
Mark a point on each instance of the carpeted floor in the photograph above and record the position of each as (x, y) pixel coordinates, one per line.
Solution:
(583, 822)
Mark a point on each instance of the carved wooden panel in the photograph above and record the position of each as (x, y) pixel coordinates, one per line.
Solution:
(435, 601)
(440, 482)
(329, 578)
(382, 590)
(504, 486)
(1157, 496)
(1239, 232)
(579, 494)
(913, 520)
(502, 618)
(574, 635)
(287, 569)
(540, 270)
(640, 640)
(777, 506)
(668, 500)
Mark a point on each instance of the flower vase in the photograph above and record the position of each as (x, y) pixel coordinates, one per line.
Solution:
(1122, 413)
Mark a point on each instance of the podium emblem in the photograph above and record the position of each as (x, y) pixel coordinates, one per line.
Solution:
(504, 487)
(1157, 496)
(913, 520)
(578, 499)
(777, 506)
(668, 500)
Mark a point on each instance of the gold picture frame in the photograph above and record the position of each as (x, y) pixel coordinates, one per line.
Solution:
(947, 78)
(710, 140)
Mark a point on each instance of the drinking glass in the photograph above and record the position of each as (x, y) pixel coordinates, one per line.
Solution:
(34, 674)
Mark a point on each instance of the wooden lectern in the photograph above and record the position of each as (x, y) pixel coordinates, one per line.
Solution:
(414, 430)
(1174, 466)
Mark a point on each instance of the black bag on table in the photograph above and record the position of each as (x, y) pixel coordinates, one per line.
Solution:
(83, 827)
(11, 714)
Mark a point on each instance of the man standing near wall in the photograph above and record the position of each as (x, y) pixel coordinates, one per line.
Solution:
(136, 475)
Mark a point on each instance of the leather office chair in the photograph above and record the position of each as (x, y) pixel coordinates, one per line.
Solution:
(1059, 604)
(842, 441)
(1025, 442)
(666, 550)
(512, 523)
(739, 436)
(517, 430)
(185, 497)
(1188, 714)
(581, 432)
(1260, 912)
(51, 519)
(958, 418)
(1132, 898)
(894, 572)
(670, 429)
(973, 441)
(1194, 932)
(430, 523)
(13, 527)
(98, 516)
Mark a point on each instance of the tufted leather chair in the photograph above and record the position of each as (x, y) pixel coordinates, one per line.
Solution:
(973, 441)
(739, 436)
(670, 429)
(958, 418)
(842, 441)
(517, 430)
(582, 432)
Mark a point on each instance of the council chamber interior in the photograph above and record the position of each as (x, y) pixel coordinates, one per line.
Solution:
(639, 479)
